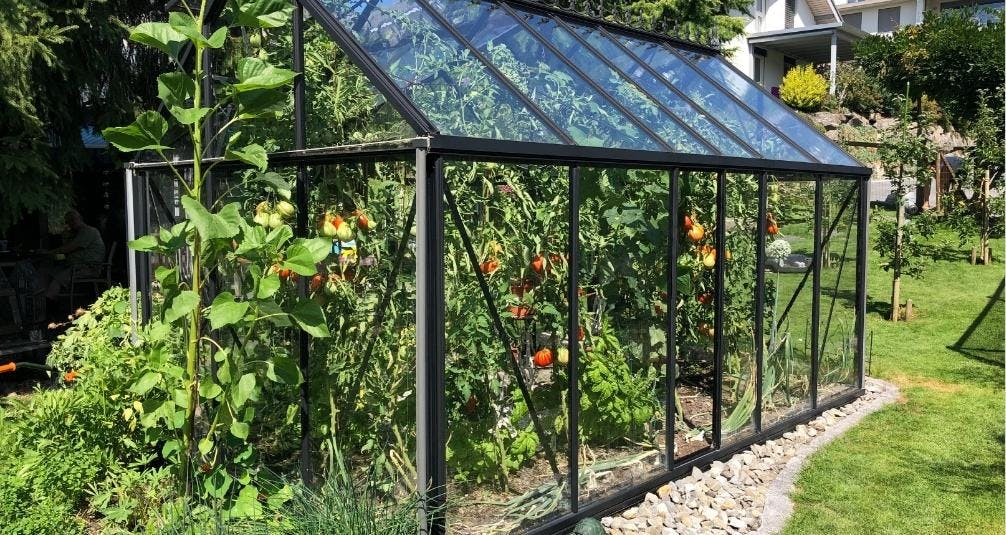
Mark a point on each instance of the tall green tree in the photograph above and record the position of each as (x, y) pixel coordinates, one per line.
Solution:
(63, 66)
(950, 58)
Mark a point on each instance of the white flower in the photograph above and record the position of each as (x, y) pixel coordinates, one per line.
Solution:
(778, 249)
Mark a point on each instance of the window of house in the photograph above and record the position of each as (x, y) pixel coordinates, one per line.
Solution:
(759, 7)
(790, 11)
(759, 69)
(888, 19)
(854, 19)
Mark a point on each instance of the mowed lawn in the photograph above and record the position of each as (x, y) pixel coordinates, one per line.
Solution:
(932, 462)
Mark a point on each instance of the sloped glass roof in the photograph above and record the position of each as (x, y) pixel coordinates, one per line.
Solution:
(500, 70)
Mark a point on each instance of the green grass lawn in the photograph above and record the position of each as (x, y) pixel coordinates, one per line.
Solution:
(933, 461)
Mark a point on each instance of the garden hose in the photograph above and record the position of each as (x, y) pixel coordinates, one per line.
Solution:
(11, 367)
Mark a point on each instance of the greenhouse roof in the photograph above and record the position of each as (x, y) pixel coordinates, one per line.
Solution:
(514, 77)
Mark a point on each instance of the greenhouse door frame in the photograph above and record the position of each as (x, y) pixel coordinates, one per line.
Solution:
(431, 413)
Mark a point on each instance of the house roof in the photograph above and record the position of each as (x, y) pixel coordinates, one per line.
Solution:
(811, 43)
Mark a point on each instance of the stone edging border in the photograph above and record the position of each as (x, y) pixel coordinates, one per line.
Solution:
(749, 493)
(778, 505)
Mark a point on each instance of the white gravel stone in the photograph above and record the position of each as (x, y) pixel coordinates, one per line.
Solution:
(742, 494)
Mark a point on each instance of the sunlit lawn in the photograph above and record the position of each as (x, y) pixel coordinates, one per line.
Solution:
(933, 462)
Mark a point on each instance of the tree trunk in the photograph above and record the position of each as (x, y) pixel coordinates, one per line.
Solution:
(983, 245)
(896, 264)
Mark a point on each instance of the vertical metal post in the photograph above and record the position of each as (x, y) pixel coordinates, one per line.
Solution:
(572, 336)
(431, 418)
(720, 274)
(142, 187)
(862, 225)
(131, 254)
(815, 351)
(759, 319)
(833, 66)
(670, 328)
(303, 186)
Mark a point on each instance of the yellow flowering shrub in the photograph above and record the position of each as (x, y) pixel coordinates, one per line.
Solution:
(803, 88)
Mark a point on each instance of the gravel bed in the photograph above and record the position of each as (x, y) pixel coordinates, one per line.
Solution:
(749, 493)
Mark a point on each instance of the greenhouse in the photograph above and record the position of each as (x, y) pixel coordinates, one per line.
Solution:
(584, 258)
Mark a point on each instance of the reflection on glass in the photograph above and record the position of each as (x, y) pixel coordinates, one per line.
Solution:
(714, 101)
(739, 394)
(451, 86)
(770, 109)
(789, 254)
(502, 475)
(586, 115)
(616, 85)
(695, 381)
(837, 332)
(623, 274)
(655, 86)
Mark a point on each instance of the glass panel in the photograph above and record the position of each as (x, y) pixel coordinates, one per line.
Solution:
(363, 403)
(730, 113)
(623, 273)
(588, 117)
(739, 395)
(789, 288)
(771, 110)
(456, 91)
(837, 331)
(517, 219)
(616, 85)
(695, 382)
(342, 105)
(685, 111)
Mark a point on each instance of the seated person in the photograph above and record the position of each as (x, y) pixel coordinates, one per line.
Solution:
(84, 252)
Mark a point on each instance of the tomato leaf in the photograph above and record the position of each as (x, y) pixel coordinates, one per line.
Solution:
(180, 305)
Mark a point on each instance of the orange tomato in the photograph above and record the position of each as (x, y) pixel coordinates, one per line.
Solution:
(543, 358)
(538, 264)
(696, 233)
(688, 223)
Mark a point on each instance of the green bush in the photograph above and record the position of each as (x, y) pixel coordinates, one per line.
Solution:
(803, 88)
(861, 92)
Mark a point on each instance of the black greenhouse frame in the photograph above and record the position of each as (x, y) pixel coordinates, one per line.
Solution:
(435, 203)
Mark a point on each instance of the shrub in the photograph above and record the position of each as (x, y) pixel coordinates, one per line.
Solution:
(803, 88)
(860, 91)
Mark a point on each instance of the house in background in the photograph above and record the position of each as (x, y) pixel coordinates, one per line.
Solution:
(781, 34)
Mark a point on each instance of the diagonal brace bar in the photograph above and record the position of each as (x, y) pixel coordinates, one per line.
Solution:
(501, 333)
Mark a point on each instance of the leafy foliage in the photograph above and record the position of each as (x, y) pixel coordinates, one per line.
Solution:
(950, 57)
(803, 88)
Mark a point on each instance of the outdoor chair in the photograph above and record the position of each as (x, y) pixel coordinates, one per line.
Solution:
(92, 278)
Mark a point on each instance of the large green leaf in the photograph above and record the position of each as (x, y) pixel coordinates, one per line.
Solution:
(320, 248)
(226, 311)
(243, 390)
(247, 504)
(311, 318)
(253, 73)
(145, 133)
(159, 35)
(253, 154)
(263, 13)
(259, 102)
(210, 226)
(180, 305)
(300, 260)
(267, 286)
(283, 370)
(144, 244)
(186, 25)
(239, 429)
(188, 116)
(175, 88)
(145, 383)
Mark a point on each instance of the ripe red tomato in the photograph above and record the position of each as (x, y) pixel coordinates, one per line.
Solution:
(688, 223)
(538, 264)
(543, 358)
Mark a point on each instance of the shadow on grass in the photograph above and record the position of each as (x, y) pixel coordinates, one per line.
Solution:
(983, 340)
